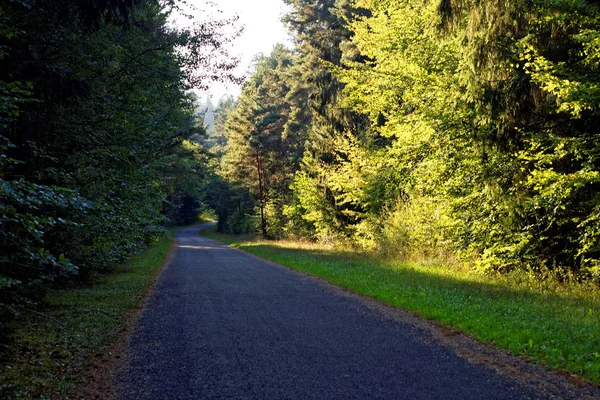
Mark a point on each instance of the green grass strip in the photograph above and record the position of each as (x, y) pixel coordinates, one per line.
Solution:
(52, 347)
(553, 323)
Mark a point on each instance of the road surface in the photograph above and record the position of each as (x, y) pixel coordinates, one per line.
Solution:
(222, 324)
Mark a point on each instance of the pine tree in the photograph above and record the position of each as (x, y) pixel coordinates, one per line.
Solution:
(321, 30)
(263, 144)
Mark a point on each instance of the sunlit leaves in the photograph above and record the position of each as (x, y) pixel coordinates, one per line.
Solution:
(490, 128)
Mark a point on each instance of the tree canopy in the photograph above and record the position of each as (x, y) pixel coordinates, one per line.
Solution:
(444, 128)
(438, 128)
(94, 121)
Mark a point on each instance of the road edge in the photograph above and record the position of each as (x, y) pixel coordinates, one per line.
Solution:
(100, 379)
(556, 384)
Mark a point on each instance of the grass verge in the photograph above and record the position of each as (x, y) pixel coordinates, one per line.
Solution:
(51, 348)
(553, 323)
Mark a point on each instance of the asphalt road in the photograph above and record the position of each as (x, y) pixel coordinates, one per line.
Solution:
(222, 324)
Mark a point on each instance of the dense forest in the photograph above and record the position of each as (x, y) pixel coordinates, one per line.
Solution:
(98, 134)
(434, 128)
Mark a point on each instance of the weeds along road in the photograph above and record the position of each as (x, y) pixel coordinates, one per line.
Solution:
(222, 324)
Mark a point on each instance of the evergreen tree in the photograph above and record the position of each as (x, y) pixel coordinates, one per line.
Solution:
(217, 138)
(263, 146)
(321, 30)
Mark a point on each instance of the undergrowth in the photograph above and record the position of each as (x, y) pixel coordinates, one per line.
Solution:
(49, 350)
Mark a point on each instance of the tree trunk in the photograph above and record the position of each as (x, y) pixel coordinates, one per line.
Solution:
(261, 194)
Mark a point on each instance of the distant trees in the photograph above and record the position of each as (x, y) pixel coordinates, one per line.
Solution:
(264, 143)
(93, 121)
(217, 140)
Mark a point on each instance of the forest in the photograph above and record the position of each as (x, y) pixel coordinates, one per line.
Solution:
(454, 132)
(442, 129)
(445, 129)
(97, 127)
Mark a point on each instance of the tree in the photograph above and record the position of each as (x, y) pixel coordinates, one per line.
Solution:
(217, 138)
(96, 98)
(491, 130)
(537, 96)
(263, 147)
(321, 31)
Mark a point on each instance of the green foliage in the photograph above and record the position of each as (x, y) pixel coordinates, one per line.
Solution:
(186, 173)
(321, 34)
(51, 349)
(493, 137)
(265, 142)
(432, 128)
(94, 114)
(217, 140)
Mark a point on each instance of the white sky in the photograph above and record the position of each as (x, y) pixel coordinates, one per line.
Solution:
(262, 30)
